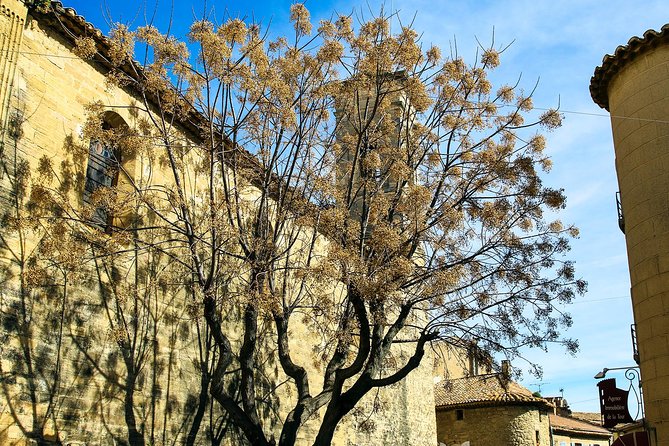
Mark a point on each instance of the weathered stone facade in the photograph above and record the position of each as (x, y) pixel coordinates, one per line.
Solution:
(45, 90)
(454, 360)
(504, 425)
(489, 410)
(633, 85)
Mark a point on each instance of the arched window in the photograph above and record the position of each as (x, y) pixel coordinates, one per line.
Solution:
(104, 161)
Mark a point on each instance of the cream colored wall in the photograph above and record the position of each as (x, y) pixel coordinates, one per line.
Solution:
(575, 440)
(53, 90)
(49, 89)
(451, 362)
(12, 21)
(639, 106)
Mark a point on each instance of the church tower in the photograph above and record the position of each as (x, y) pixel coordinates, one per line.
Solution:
(374, 121)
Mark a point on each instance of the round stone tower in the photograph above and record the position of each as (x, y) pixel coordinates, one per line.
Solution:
(633, 85)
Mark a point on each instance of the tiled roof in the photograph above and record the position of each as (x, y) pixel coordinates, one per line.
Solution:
(612, 64)
(589, 417)
(568, 424)
(634, 426)
(71, 15)
(69, 24)
(482, 390)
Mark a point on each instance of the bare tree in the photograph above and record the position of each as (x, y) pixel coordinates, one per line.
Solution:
(346, 179)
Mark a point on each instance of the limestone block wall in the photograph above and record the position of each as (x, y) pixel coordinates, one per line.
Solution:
(411, 403)
(639, 104)
(45, 92)
(452, 361)
(504, 425)
(12, 21)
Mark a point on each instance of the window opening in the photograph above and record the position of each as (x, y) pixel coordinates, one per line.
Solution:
(102, 171)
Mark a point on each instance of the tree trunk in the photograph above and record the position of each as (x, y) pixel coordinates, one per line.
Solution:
(339, 407)
(201, 407)
(135, 438)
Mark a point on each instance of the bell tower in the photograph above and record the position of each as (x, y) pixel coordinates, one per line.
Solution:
(374, 120)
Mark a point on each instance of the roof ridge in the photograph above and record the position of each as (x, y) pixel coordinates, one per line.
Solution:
(576, 424)
(483, 390)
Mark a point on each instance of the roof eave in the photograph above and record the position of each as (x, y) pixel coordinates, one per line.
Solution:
(480, 404)
(581, 432)
(612, 64)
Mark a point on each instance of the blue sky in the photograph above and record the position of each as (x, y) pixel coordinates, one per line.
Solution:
(559, 44)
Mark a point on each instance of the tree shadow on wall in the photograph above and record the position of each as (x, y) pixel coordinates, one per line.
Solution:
(40, 377)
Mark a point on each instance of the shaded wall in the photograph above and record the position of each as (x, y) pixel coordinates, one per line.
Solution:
(45, 89)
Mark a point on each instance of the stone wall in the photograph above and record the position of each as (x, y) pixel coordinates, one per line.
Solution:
(452, 361)
(638, 99)
(46, 89)
(505, 425)
(410, 404)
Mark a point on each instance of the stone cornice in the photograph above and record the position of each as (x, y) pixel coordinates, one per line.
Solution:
(612, 64)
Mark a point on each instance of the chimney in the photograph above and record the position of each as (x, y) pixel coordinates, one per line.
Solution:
(506, 369)
(505, 376)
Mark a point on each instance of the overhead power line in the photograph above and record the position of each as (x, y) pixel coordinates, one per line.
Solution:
(570, 112)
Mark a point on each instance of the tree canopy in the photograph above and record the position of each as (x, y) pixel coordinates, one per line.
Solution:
(345, 179)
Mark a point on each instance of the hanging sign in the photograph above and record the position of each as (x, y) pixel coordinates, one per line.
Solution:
(613, 403)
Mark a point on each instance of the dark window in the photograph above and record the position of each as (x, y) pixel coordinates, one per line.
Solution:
(459, 414)
(473, 361)
(102, 171)
(473, 365)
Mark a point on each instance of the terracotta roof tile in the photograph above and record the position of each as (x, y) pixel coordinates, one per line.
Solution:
(612, 64)
(573, 425)
(482, 390)
(589, 417)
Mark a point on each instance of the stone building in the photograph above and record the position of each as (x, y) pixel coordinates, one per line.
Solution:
(633, 85)
(459, 359)
(490, 410)
(569, 431)
(45, 88)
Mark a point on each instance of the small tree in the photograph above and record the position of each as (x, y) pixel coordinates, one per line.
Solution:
(383, 195)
